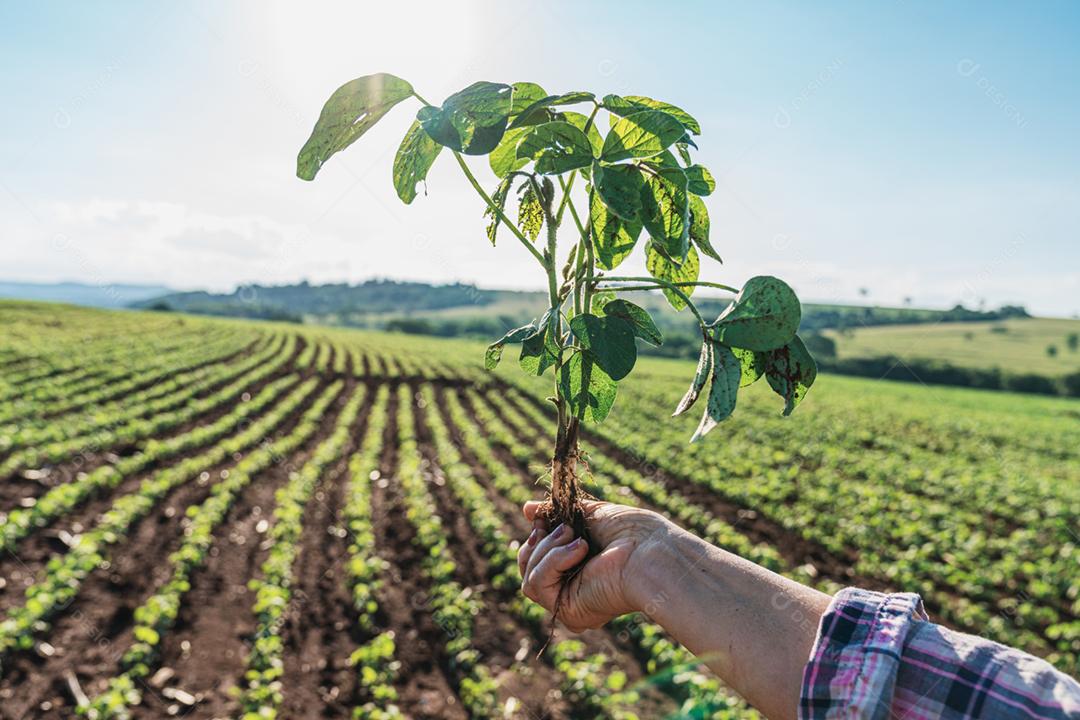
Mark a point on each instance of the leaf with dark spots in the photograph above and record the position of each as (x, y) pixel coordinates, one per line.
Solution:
(723, 390)
(637, 317)
(764, 315)
(613, 237)
(609, 339)
(791, 371)
(701, 376)
(588, 390)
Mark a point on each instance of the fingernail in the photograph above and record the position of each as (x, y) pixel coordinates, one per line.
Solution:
(576, 545)
(533, 536)
(560, 531)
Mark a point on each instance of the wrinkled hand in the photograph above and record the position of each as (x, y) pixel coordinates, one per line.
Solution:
(605, 587)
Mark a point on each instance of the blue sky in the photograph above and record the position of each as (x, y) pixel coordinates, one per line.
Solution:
(918, 150)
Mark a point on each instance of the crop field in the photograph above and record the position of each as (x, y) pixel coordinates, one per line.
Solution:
(1019, 344)
(214, 518)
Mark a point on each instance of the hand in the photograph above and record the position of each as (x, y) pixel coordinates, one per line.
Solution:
(605, 587)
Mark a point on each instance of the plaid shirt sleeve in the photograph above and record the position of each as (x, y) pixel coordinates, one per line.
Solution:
(879, 656)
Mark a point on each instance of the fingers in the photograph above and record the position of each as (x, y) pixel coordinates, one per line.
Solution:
(530, 508)
(561, 559)
(527, 548)
(558, 537)
(543, 579)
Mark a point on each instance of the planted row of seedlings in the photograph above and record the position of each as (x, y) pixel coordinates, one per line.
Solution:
(63, 575)
(73, 362)
(62, 499)
(158, 614)
(162, 397)
(373, 660)
(48, 384)
(674, 670)
(132, 425)
(593, 687)
(261, 694)
(937, 544)
(453, 607)
(50, 398)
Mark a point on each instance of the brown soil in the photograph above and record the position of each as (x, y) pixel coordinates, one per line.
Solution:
(425, 682)
(90, 636)
(475, 566)
(208, 646)
(320, 631)
(18, 488)
(19, 568)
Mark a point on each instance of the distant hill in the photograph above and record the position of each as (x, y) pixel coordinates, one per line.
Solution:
(463, 310)
(103, 296)
(335, 304)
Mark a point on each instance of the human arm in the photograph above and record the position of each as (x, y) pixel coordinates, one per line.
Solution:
(784, 647)
(752, 627)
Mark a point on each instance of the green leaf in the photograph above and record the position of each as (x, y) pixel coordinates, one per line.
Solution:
(580, 121)
(664, 160)
(665, 210)
(494, 352)
(146, 634)
(642, 134)
(684, 152)
(610, 341)
(726, 373)
(503, 159)
(499, 199)
(704, 368)
(535, 356)
(699, 180)
(414, 158)
(620, 187)
(662, 268)
(791, 371)
(600, 301)
(613, 238)
(764, 315)
(349, 113)
(630, 104)
(699, 228)
(540, 349)
(556, 147)
(753, 365)
(641, 323)
(530, 212)
(525, 94)
(471, 121)
(527, 115)
(588, 390)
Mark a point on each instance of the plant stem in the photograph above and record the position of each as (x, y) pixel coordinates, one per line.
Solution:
(498, 211)
(699, 283)
(661, 285)
(552, 224)
(590, 263)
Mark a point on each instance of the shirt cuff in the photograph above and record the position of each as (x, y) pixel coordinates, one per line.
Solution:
(856, 655)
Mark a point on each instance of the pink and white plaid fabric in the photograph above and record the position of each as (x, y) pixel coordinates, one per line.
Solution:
(879, 656)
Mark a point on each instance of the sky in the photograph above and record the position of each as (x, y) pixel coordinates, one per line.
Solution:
(912, 150)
